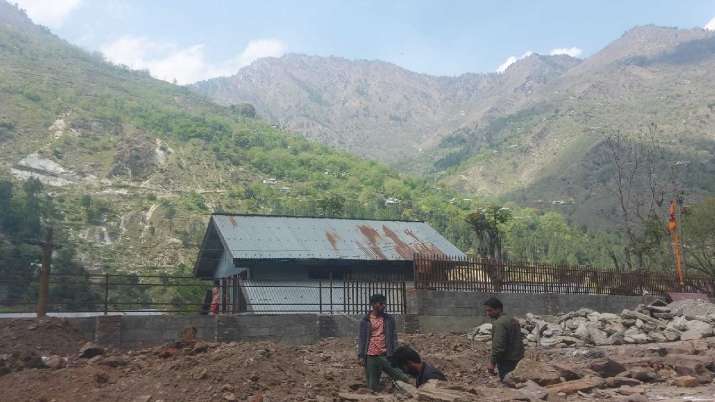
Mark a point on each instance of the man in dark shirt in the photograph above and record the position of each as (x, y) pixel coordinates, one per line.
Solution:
(507, 344)
(409, 361)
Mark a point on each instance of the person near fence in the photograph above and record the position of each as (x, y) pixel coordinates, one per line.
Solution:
(215, 297)
(206, 305)
(377, 340)
(507, 343)
(410, 362)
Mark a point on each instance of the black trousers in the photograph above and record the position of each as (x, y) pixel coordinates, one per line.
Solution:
(505, 367)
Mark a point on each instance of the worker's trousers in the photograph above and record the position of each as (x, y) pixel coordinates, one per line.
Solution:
(505, 367)
(375, 365)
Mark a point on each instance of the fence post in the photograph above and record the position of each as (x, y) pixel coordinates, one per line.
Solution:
(106, 293)
(331, 292)
(404, 297)
(320, 296)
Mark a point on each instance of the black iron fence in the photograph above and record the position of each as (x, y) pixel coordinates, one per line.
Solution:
(318, 296)
(105, 293)
(441, 272)
(160, 294)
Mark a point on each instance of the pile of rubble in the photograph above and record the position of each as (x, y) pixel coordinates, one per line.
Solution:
(627, 372)
(658, 322)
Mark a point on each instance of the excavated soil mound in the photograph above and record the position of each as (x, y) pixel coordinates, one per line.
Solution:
(48, 336)
(215, 372)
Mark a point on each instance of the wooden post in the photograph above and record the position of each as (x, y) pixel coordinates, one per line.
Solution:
(43, 295)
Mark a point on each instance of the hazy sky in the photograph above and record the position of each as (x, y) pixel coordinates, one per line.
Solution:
(194, 40)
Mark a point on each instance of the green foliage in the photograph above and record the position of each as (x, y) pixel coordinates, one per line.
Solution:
(24, 214)
(95, 210)
(547, 237)
(486, 223)
(194, 201)
(698, 229)
(244, 110)
(71, 289)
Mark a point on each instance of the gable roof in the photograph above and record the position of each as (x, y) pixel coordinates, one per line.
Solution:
(263, 237)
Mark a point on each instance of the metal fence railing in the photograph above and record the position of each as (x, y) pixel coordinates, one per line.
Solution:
(105, 293)
(162, 294)
(316, 296)
(441, 272)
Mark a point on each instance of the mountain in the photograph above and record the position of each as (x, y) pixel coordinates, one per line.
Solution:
(132, 166)
(534, 134)
(553, 149)
(376, 109)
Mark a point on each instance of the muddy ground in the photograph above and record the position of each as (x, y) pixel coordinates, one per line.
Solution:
(247, 371)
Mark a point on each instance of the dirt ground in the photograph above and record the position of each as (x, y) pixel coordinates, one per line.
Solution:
(238, 371)
(45, 336)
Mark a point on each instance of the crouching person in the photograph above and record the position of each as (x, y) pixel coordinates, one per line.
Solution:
(377, 340)
(409, 361)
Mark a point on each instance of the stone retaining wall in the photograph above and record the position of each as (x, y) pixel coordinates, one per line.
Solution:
(443, 311)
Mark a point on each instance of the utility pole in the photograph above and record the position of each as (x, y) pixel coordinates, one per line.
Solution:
(43, 294)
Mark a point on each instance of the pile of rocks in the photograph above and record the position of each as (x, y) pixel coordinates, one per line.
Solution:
(658, 322)
(618, 372)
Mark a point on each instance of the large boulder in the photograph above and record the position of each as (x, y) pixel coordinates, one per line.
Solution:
(607, 367)
(634, 315)
(552, 330)
(55, 362)
(678, 323)
(597, 336)
(671, 334)
(581, 332)
(687, 365)
(685, 381)
(657, 336)
(532, 370)
(481, 333)
(534, 391)
(572, 387)
(635, 335)
(89, 350)
(696, 330)
(692, 308)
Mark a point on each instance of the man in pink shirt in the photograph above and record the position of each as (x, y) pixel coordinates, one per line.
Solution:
(377, 340)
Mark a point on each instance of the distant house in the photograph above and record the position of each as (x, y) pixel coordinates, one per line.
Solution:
(282, 264)
(284, 248)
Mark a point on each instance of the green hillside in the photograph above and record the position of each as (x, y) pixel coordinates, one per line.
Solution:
(130, 167)
(134, 165)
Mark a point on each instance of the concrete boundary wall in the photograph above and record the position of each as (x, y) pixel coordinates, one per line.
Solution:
(427, 311)
(446, 311)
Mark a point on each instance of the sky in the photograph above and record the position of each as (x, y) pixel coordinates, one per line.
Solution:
(187, 41)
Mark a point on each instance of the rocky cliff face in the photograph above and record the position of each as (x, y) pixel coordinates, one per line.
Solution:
(376, 109)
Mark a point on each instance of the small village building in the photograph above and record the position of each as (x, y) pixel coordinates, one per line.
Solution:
(281, 264)
(286, 248)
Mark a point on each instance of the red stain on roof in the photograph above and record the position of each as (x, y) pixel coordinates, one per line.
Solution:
(333, 239)
(372, 236)
(421, 247)
(402, 248)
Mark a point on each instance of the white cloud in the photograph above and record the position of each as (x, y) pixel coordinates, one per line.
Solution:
(186, 65)
(258, 49)
(511, 60)
(569, 51)
(710, 26)
(51, 13)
